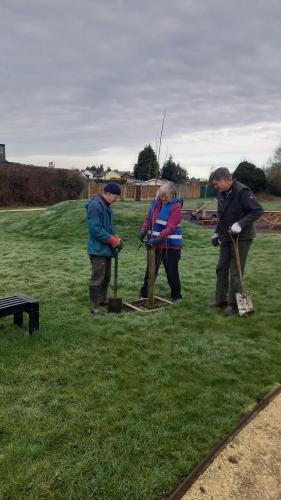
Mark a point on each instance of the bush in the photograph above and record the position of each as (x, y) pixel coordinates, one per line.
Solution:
(28, 185)
(273, 174)
(252, 176)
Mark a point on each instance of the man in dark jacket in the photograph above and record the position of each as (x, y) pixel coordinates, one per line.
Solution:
(102, 244)
(238, 210)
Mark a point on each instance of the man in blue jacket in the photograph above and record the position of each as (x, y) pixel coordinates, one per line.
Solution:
(102, 244)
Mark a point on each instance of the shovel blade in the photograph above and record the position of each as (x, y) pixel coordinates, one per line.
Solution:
(244, 303)
(115, 305)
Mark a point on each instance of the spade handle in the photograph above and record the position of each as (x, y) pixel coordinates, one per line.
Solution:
(237, 256)
(116, 275)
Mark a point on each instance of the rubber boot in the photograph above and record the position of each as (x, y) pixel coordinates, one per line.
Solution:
(103, 294)
(95, 295)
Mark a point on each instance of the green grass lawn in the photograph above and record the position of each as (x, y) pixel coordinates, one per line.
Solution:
(122, 407)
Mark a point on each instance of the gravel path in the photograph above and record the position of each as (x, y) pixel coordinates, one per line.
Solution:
(249, 468)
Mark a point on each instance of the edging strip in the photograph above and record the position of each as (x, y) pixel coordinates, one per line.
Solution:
(204, 464)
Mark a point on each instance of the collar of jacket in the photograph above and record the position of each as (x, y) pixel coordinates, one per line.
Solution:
(103, 202)
(226, 198)
(236, 187)
(158, 203)
(227, 193)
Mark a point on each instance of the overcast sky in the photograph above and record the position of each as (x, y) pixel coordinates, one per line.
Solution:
(88, 81)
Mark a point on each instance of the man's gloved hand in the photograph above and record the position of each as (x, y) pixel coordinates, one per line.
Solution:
(121, 244)
(215, 240)
(115, 241)
(153, 242)
(236, 228)
(142, 234)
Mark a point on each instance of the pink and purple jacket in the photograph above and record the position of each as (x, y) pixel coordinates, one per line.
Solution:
(173, 222)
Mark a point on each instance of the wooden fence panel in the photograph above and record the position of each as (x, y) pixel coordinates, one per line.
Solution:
(148, 192)
(129, 192)
(193, 191)
(94, 188)
(143, 193)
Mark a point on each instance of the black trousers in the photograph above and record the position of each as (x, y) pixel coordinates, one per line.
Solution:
(170, 259)
(228, 281)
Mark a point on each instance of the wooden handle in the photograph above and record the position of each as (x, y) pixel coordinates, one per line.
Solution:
(237, 257)
(151, 276)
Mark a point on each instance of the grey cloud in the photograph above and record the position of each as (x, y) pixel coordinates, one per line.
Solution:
(77, 77)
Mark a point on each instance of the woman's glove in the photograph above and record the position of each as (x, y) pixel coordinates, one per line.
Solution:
(142, 234)
(153, 242)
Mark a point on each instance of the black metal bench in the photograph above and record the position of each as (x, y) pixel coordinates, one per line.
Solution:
(19, 304)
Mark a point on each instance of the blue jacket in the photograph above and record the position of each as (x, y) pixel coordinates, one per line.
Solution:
(101, 227)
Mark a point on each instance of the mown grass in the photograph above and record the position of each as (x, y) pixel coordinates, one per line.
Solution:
(123, 407)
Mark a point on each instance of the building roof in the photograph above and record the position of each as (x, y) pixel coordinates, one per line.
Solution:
(123, 172)
(92, 175)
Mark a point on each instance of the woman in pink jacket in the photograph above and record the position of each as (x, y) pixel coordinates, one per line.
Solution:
(162, 227)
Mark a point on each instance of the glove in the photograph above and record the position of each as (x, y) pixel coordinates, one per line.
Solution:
(119, 248)
(115, 241)
(153, 242)
(142, 234)
(236, 228)
(215, 240)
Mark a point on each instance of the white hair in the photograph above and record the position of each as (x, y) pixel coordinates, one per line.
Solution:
(167, 188)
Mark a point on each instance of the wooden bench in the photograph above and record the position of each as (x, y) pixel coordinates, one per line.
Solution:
(271, 218)
(19, 304)
(208, 220)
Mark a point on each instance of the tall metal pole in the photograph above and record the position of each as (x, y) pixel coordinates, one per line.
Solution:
(160, 142)
(151, 251)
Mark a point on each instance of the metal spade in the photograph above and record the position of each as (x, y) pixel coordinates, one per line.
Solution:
(243, 299)
(115, 304)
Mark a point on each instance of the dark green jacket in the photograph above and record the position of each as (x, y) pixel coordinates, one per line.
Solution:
(238, 205)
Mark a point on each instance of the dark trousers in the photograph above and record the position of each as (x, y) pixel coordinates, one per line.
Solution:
(100, 278)
(170, 259)
(228, 281)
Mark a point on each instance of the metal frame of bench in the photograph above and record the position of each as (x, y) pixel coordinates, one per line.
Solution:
(16, 305)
